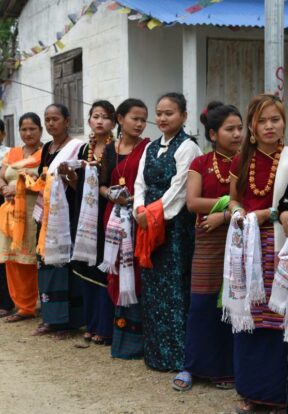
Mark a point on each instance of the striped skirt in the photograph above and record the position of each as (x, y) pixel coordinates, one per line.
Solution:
(209, 341)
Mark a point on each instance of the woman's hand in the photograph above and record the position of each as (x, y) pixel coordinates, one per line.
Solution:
(211, 222)
(262, 215)
(120, 200)
(142, 220)
(284, 221)
(9, 192)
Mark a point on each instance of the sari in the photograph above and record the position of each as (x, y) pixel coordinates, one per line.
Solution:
(18, 233)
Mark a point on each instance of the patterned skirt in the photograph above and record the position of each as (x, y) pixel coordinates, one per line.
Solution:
(209, 341)
(61, 297)
(127, 334)
(165, 297)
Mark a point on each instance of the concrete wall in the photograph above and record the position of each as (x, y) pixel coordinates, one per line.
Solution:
(155, 66)
(104, 42)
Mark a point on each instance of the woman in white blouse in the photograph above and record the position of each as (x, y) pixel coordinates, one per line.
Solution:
(162, 175)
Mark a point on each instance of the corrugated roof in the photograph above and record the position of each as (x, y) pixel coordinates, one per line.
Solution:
(225, 13)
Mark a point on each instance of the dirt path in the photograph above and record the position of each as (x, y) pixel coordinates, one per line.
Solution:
(44, 375)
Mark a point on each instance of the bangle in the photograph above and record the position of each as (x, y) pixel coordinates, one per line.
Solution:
(236, 208)
(273, 214)
(67, 178)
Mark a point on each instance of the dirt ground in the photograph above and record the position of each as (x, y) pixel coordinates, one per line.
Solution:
(45, 375)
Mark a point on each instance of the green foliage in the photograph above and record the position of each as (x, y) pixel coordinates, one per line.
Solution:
(8, 43)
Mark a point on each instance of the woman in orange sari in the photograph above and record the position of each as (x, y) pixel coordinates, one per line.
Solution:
(18, 253)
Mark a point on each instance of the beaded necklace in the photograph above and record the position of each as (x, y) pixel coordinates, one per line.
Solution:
(91, 150)
(271, 178)
(216, 169)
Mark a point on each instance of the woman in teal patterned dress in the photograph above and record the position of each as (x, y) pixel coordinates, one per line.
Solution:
(162, 175)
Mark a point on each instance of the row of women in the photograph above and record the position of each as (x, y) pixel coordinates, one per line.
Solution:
(116, 222)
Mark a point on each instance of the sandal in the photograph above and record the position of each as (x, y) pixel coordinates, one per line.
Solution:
(186, 379)
(245, 407)
(101, 340)
(225, 385)
(5, 312)
(18, 317)
(42, 329)
(87, 337)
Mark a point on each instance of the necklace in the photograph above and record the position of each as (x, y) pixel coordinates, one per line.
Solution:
(122, 180)
(221, 179)
(57, 147)
(91, 150)
(271, 177)
(26, 154)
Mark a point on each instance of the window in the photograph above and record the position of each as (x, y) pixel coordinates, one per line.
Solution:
(67, 85)
(9, 127)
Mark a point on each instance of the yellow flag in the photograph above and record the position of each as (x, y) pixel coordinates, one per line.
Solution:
(153, 23)
(125, 10)
(60, 44)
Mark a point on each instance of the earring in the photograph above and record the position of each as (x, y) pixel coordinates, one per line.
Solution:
(252, 139)
(92, 135)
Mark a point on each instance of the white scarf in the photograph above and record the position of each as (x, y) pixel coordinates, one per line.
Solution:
(69, 152)
(119, 240)
(85, 247)
(58, 238)
(243, 276)
(279, 187)
(279, 296)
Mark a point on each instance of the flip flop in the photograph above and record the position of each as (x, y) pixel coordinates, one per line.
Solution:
(4, 313)
(186, 378)
(18, 317)
(245, 407)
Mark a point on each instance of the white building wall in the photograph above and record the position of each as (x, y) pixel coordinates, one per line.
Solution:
(155, 66)
(104, 42)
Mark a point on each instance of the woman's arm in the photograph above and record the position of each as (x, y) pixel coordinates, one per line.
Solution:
(175, 197)
(195, 202)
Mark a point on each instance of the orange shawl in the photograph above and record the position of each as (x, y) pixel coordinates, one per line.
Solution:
(153, 236)
(13, 214)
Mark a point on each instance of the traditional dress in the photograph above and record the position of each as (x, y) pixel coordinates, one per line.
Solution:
(163, 175)
(60, 290)
(98, 307)
(209, 341)
(127, 333)
(21, 267)
(260, 357)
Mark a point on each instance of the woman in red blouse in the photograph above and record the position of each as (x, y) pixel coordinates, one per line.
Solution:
(209, 342)
(260, 357)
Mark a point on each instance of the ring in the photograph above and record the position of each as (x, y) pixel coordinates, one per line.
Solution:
(204, 218)
(206, 226)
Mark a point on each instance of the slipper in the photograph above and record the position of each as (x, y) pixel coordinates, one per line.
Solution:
(186, 378)
(87, 337)
(245, 407)
(100, 340)
(225, 385)
(5, 312)
(18, 317)
(42, 329)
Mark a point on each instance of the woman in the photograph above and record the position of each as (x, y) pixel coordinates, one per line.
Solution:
(260, 356)
(162, 175)
(209, 342)
(60, 290)
(20, 257)
(120, 165)
(98, 307)
(6, 303)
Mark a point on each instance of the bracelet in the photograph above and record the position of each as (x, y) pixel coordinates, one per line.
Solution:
(225, 218)
(273, 214)
(67, 178)
(236, 208)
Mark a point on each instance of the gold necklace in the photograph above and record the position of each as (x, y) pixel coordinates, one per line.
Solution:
(221, 179)
(271, 178)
